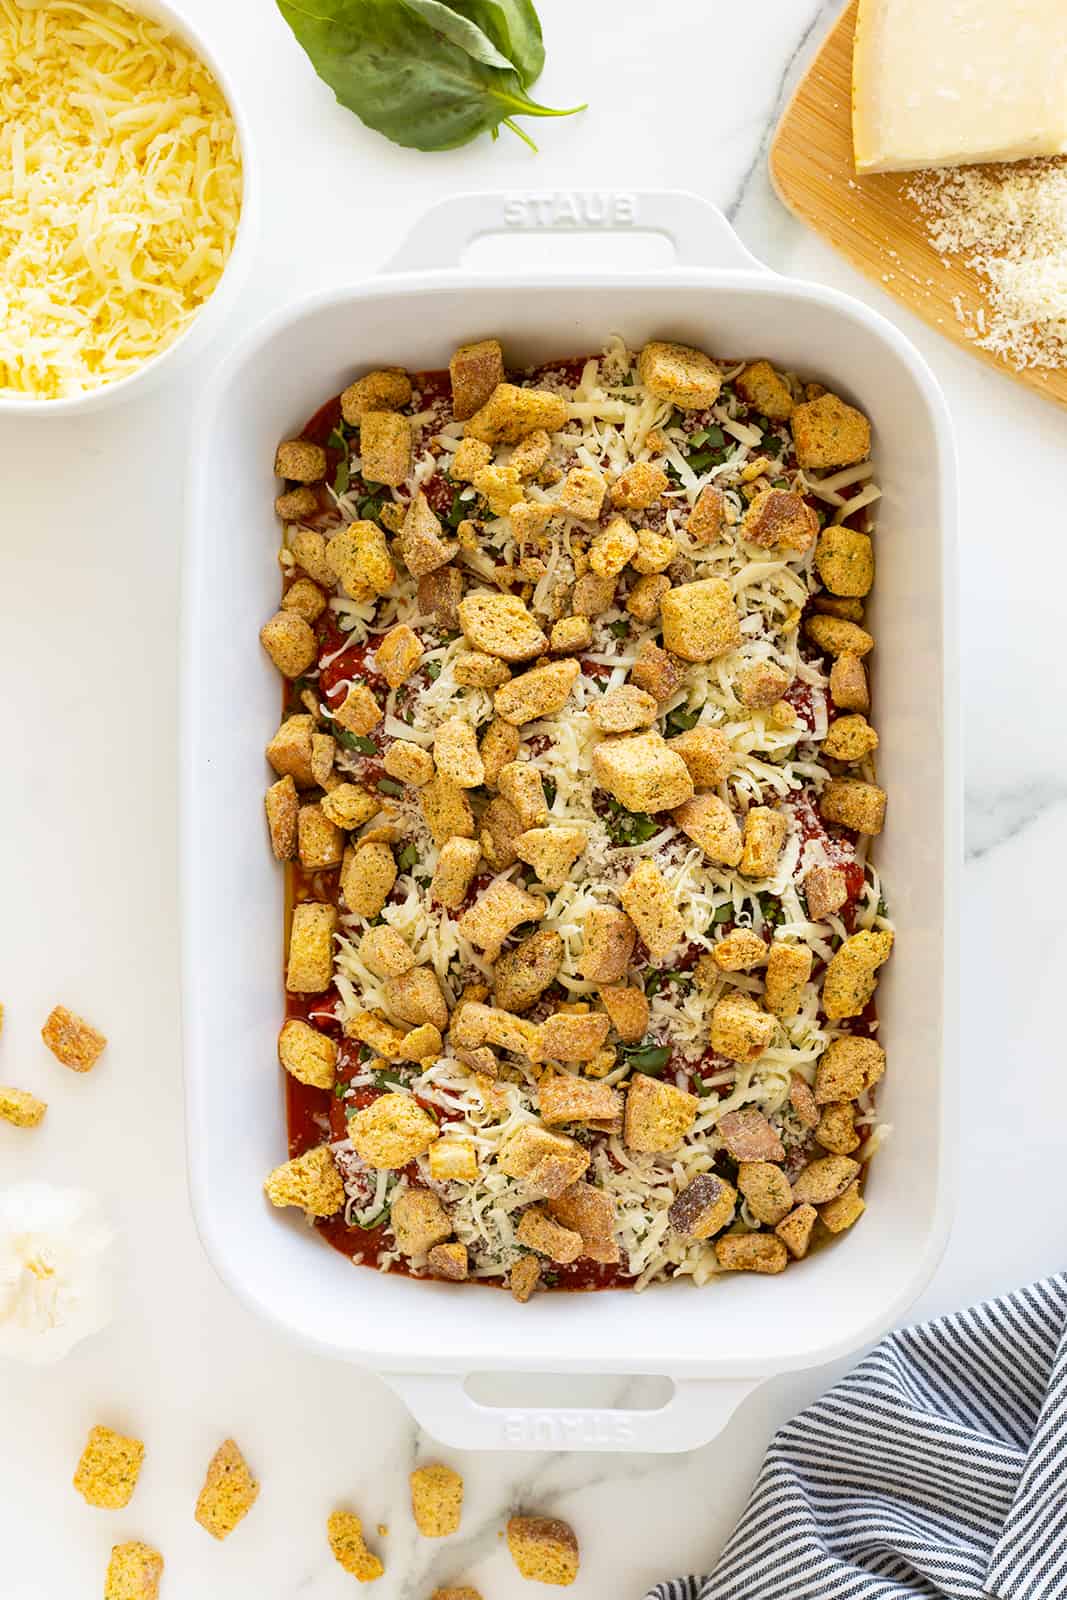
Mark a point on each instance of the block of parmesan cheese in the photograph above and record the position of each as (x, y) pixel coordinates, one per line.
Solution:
(957, 81)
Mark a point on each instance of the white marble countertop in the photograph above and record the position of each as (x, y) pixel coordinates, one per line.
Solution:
(90, 531)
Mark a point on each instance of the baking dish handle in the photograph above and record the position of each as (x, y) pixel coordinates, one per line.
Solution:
(701, 235)
(696, 1413)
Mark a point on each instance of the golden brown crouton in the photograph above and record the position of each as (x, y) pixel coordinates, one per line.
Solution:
(565, 1037)
(592, 594)
(310, 968)
(296, 504)
(421, 548)
(419, 1220)
(519, 783)
(368, 873)
(642, 772)
(290, 643)
(748, 1136)
(608, 938)
(454, 1160)
(837, 637)
(706, 518)
(522, 975)
(309, 550)
(850, 739)
(706, 752)
(582, 494)
(415, 997)
(780, 519)
(795, 1230)
(700, 620)
(829, 433)
(359, 712)
(229, 1492)
(385, 445)
(359, 556)
(475, 670)
(541, 692)
(446, 809)
(456, 755)
(344, 1530)
(510, 413)
(456, 866)
(788, 970)
(500, 487)
(133, 1572)
(372, 1029)
(628, 1009)
(387, 389)
(624, 709)
(530, 455)
(825, 890)
(20, 1108)
(538, 1231)
(310, 1181)
(436, 1500)
(763, 837)
(650, 904)
(544, 1549)
(762, 388)
(646, 596)
(409, 763)
(845, 1209)
(548, 1163)
(289, 752)
(569, 635)
(320, 842)
(588, 1212)
(703, 1207)
(323, 751)
(844, 559)
(612, 548)
(306, 1054)
(110, 1465)
(300, 461)
(476, 371)
(760, 684)
(440, 590)
(471, 457)
(551, 852)
(836, 1130)
(523, 1279)
(637, 486)
(349, 804)
(740, 1029)
(739, 951)
(282, 807)
(500, 827)
(501, 908)
(751, 1252)
(710, 823)
(474, 1024)
(500, 625)
(499, 747)
(848, 684)
(658, 1115)
(853, 804)
(72, 1040)
(398, 654)
(766, 1188)
(832, 606)
(392, 1131)
(686, 377)
(305, 598)
(802, 1100)
(421, 1044)
(824, 1179)
(655, 552)
(846, 1068)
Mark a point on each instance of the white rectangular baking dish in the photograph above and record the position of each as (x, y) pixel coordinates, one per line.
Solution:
(426, 1337)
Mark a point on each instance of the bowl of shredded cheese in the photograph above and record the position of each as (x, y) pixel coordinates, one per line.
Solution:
(124, 214)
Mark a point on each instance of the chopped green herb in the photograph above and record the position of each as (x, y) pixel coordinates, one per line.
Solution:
(408, 858)
(458, 510)
(433, 670)
(390, 786)
(629, 827)
(548, 785)
(649, 1059)
(340, 1090)
(771, 910)
(652, 983)
(681, 720)
(370, 508)
(699, 1086)
(337, 440)
(723, 913)
(370, 1222)
(620, 629)
(341, 477)
(353, 741)
(389, 1080)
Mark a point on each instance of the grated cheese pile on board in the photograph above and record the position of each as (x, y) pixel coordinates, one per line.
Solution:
(120, 193)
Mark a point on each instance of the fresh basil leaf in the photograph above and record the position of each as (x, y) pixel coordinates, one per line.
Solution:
(409, 857)
(629, 827)
(337, 440)
(514, 28)
(681, 720)
(650, 1059)
(714, 436)
(370, 509)
(389, 1080)
(342, 477)
(433, 670)
(457, 510)
(404, 77)
(353, 741)
(620, 629)
(549, 786)
(723, 914)
(390, 786)
(459, 30)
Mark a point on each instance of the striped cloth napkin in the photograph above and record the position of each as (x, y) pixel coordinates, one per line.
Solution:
(938, 1467)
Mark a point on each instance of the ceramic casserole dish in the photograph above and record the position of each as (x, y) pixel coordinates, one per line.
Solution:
(427, 1337)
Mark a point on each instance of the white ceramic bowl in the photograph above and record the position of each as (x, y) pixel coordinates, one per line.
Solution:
(208, 319)
(426, 1338)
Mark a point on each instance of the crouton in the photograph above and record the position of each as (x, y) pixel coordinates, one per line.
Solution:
(510, 413)
(310, 968)
(582, 494)
(296, 504)
(344, 1531)
(474, 1024)
(847, 1067)
(523, 1279)
(707, 753)
(387, 389)
(705, 521)
(308, 548)
(538, 1231)
(368, 872)
(408, 763)
(348, 805)
(802, 1100)
(385, 446)
(446, 810)
(439, 592)
(229, 1492)
(501, 908)
(590, 1213)
(544, 1549)
(133, 1572)
(700, 620)
(656, 671)
(471, 457)
(522, 975)
(608, 938)
(844, 559)
(788, 970)
(703, 1207)
(436, 1500)
(848, 684)
(476, 370)
(825, 890)
(481, 1061)
(686, 377)
(323, 751)
(500, 827)
(20, 1108)
(845, 1209)
(710, 823)
(500, 625)
(474, 670)
(642, 772)
(551, 852)
(422, 1043)
(658, 1115)
(456, 755)
(530, 455)
(300, 461)
(310, 1181)
(762, 840)
(740, 951)
(454, 1161)
(422, 549)
(760, 684)
(836, 637)
(499, 747)
(829, 433)
(836, 1130)
(751, 1252)
(419, 1220)
(638, 486)
(500, 487)
(320, 842)
(624, 709)
(850, 739)
(646, 596)
(833, 606)
(780, 519)
(454, 872)
(565, 1037)
(569, 635)
(306, 1054)
(766, 1188)
(547, 1163)
(110, 1465)
(398, 654)
(650, 904)
(415, 997)
(282, 807)
(519, 783)
(290, 643)
(763, 389)
(748, 1136)
(592, 594)
(628, 1009)
(824, 1179)
(72, 1040)
(289, 752)
(359, 712)
(359, 556)
(853, 804)
(371, 1028)
(392, 1131)
(655, 552)
(795, 1230)
(541, 692)
(740, 1029)
(305, 598)
(612, 548)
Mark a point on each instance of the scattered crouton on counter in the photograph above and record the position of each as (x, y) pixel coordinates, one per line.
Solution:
(544, 1549)
(72, 1040)
(110, 1465)
(229, 1492)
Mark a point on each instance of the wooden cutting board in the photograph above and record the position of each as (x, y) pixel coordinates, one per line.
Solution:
(871, 220)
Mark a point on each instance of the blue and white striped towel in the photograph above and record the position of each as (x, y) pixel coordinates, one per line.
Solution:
(938, 1467)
